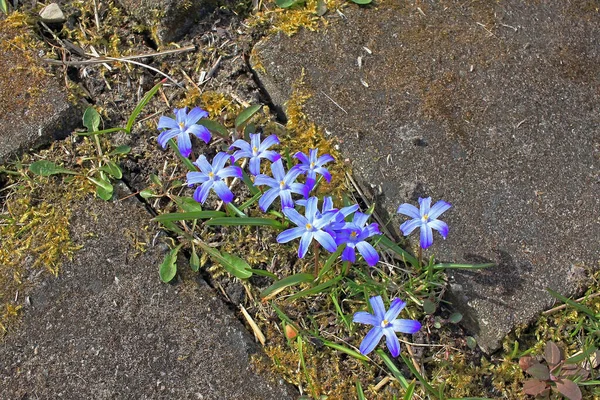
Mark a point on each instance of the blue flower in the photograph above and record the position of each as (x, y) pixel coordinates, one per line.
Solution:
(211, 176)
(309, 227)
(338, 221)
(384, 323)
(354, 235)
(255, 150)
(282, 185)
(181, 127)
(311, 166)
(425, 218)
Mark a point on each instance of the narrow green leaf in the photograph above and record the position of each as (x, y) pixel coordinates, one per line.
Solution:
(235, 221)
(316, 289)
(189, 216)
(155, 179)
(232, 264)
(168, 268)
(47, 168)
(329, 263)
(387, 242)
(188, 204)
(138, 109)
(214, 127)
(360, 395)
(245, 115)
(253, 189)
(121, 150)
(112, 169)
(285, 3)
(234, 210)
(346, 350)
(186, 161)
(419, 377)
(393, 369)
(103, 131)
(581, 356)
(250, 201)
(262, 272)
(410, 391)
(462, 266)
(194, 261)
(573, 304)
(362, 2)
(91, 119)
(4, 6)
(288, 281)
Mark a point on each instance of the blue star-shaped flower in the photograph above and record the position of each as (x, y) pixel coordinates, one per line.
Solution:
(354, 235)
(424, 217)
(282, 186)
(311, 166)
(255, 150)
(181, 127)
(211, 176)
(309, 227)
(384, 323)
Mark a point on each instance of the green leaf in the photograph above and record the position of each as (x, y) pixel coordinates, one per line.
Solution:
(104, 194)
(47, 168)
(138, 109)
(574, 304)
(386, 242)
(321, 8)
(419, 377)
(329, 263)
(285, 3)
(91, 119)
(360, 395)
(235, 221)
(581, 356)
(316, 289)
(393, 369)
(471, 342)
(262, 272)
(189, 216)
(4, 6)
(362, 2)
(429, 306)
(194, 261)
(410, 391)
(155, 179)
(539, 371)
(455, 318)
(101, 182)
(214, 127)
(168, 268)
(120, 150)
(188, 204)
(146, 193)
(232, 264)
(245, 115)
(288, 281)
(103, 131)
(462, 266)
(112, 169)
(346, 350)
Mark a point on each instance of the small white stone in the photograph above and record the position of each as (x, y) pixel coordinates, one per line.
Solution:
(52, 14)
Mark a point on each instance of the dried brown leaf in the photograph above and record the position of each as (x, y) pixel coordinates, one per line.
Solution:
(534, 387)
(552, 354)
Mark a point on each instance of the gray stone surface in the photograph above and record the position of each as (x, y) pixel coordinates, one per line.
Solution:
(492, 106)
(107, 327)
(35, 108)
(169, 19)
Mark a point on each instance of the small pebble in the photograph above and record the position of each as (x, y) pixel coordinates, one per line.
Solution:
(52, 14)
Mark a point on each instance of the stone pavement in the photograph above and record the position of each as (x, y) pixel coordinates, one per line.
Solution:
(108, 328)
(492, 106)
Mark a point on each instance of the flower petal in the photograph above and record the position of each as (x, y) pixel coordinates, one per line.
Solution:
(165, 136)
(409, 210)
(302, 157)
(295, 217)
(360, 219)
(266, 180)
(311, 209)
(203, 164)
(286, 199)
(200, 132)
(267, 199)
(406, 325)
(439, 226)
(395, 307)
(326, 240)
(324, 159)
(166, 122)
(242, 145)
(223, 191)
(185, 144)
(290, 234)
(270, 155)
(368, 252)
(363, 317)
(254, 166)
(424, 205)
(201, 192)
(349, 254)
(409, 226)
(438, 208)
(194, 178)
(304, 243)
(323, 171)
(392, 342)
(233, 171)
(219, 161)
(371, 340)
(378, 308)
(426, 236)
(269, 141)
(278, 171)
(194, 116)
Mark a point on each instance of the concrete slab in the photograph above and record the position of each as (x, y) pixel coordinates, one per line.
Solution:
(492, 106)
(35, 107)
(108, 328)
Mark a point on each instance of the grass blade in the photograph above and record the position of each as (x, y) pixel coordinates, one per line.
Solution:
(138, 109)
(462, 266)
(214, 127)
(316, 289)
(574, 304)
(235, 221)
(346, 350)
(393, 369)
(387, 242)
(419, 377)
(245, 115)
(188, 216)
(360, 395)
(281, 284)
(232, 264)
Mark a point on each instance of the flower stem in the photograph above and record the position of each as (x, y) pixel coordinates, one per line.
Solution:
(420, 257)
(316, 251)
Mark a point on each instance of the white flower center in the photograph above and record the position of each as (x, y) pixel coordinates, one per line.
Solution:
(181, 125)
(281, 185)
(425, 218)
(255, 151)
(308, 227)
(385, 323)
